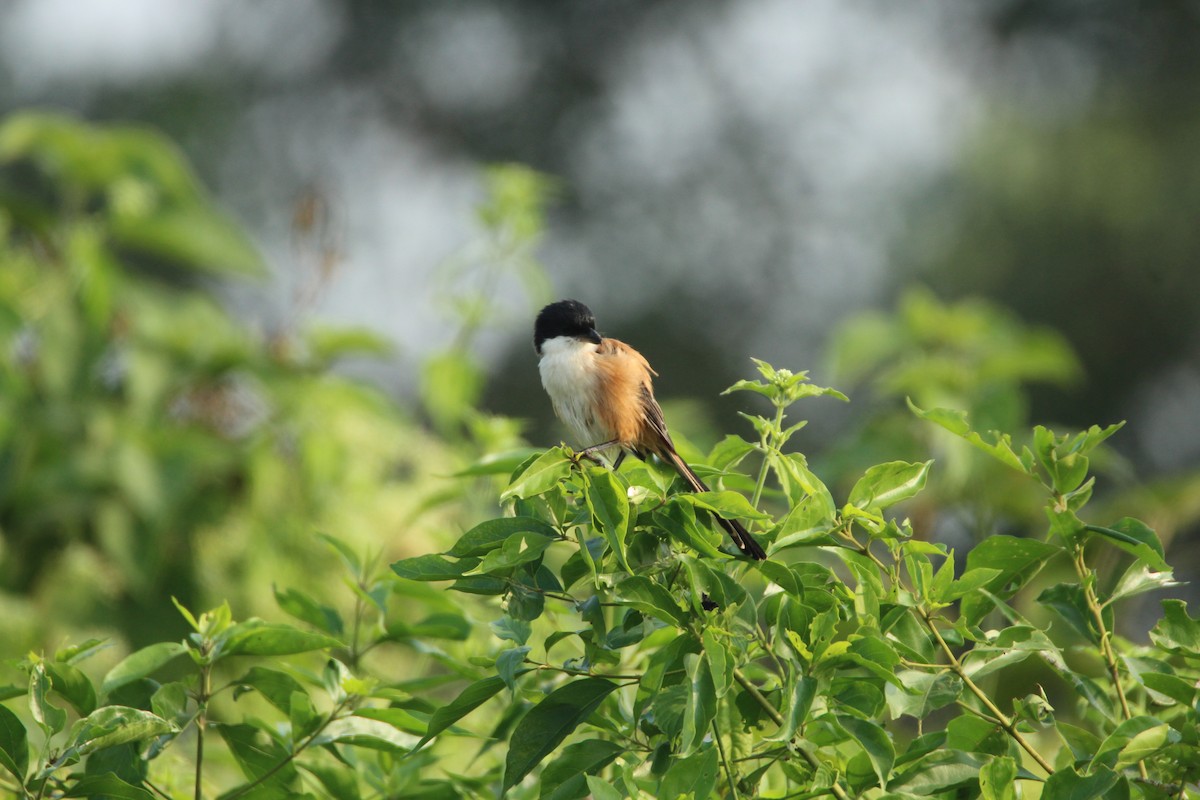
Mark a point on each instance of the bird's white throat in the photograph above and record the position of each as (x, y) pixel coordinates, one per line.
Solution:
(570, 377)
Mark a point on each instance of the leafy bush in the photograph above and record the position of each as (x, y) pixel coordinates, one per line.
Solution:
(625, 652)
(150, 443)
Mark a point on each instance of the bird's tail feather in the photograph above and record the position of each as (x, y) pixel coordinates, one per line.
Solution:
(737, 532)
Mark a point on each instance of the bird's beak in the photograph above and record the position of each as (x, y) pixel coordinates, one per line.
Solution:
(594, 337)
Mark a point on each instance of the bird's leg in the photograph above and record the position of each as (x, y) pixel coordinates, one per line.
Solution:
(587, 451)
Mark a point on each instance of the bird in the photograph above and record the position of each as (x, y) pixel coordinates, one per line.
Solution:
(601, 390)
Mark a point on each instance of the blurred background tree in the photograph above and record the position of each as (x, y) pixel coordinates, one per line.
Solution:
(151, 444)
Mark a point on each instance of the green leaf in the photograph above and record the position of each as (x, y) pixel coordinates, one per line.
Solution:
(467, 701)
(73, 686)
(1146, 744)
(1070, 601)
(701, 704)
(398, 718)
(520, 548)
(258, 638)
(306, 609)
(487, 536)
(508, 663)
(1176, 631)
(113, 725)
(1067, 784)
(609, 505)
(601, 789)
(433, 567)
(937, 772)
(1136, 538)
(809, 522)
(1122, 736)
(14, 745)
(924, 693)
(1017, 559)
(728, 504)
(694, 776)
(801, 691)
(997, 779)
(1139, 579)
(875, 743)
(106, 786)
(652, 599)
(545, 726)
(50, 717)
(365, 732)
(576, 760)
(678, 518)
(999, 448)
(277, 687)
(971, 580)
(885, 485)
(1170, 686)
(541, 475)
(511, 629)
(258, 755)
(140, 664)
(720, 662)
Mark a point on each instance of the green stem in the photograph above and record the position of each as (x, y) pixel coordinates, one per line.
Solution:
(201, 722)
(1106, 648)
(767, 446)
(300, 748)
(729, 776)
(1009, 726)
(777, 718)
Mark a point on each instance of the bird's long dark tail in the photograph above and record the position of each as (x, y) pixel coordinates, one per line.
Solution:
(741, 537)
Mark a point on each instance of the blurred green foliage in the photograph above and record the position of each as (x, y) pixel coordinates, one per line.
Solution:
(150, 443)
(969, 355)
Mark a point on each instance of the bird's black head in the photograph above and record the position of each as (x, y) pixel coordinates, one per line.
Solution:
(564, 318)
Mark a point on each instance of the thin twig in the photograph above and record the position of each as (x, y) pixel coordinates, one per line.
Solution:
(729, 776)
(1009, 726)
(777, 718)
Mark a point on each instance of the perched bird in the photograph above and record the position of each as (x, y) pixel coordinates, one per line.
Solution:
(601, 390)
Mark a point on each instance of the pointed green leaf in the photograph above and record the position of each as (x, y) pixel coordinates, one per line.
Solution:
(1146, 744)
(467, 701)
(1136, 538)
(108, 786)
(997, 779)
(487, 536)
(701, 704)
(50, 717)
(541, 475)
(885, 485)
(576, 760)
(14, 745)
(520, 548)
(875, 743)
(433, 567)
(545, 726)
(652, 599)
(140, 664)
(255, 637)
(113, 725)
(364, 732)
(1176, 631)
(694, 776)
(1067, 784)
